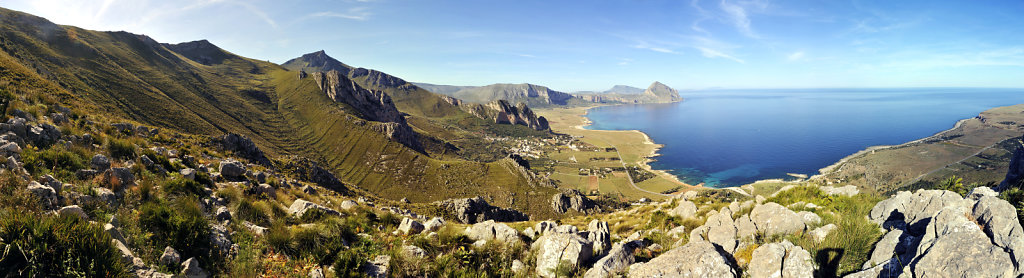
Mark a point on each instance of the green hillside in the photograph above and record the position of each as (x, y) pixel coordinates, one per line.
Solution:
(200, 89)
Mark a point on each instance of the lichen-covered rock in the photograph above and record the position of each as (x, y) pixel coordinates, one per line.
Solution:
(912, 209)
(434, 224)
(554, 248)
(820, 233)
(410, 227)
(574, 201)
(954, 246)
(170, 257)
(377, 267)
(619, 258)
(475, 210)
(348, 204)
(598, 233)
(73, 211)
(780, 260)
(745, 228)
(191, 269)
(100, 162)
(299, 207)
(47, 196)
(490, 230)
(684, 209)
(697, 258)
(232, 169)
(722, 231)
(774, 219)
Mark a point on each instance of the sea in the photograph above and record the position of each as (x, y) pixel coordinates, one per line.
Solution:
(724, 138)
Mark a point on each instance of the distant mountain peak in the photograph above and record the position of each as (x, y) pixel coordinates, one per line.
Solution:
(662, 92)
(201, 51)
(317, 61)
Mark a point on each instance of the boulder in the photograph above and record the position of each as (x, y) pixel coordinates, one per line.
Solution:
(475, 210)
(266, 189)
(105, 195)
(697, 258)
(998, 219)
(410, 227)
(745, 228)
(685, 209)
(434, 224)
(222, 214)
(377, 267)
(573, 201)
(518, 267)
(221, 239)
(884, 249)
(118, 177)
(190, 269)
(232, 169)
(721, 231)
(912, 209)
(256, 229)
(544, 227)
(47, 196)
(299, 207)
(820, 233)
(490, 230)
(555, 248)
(74, 211)
(100, 163)
(618, 260)
(774, 219)
(243, 147)
(809, 218)
(780, 260)
(955, 246)
(316, 272)
(348, 204)
(598, 233)
(170, 257)
(188, 173)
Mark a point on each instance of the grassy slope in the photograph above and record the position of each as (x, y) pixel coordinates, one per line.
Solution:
(129, 76)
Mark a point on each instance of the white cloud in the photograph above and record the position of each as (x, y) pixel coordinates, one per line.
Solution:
(737, 16)
(712, 53)
(625, 61)
(357, 13)
(796, 56)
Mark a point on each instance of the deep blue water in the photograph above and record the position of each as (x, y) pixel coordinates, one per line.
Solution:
(733, 137)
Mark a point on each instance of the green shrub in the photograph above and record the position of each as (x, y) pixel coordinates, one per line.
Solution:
(348, 263)
(48, 246)
(183, 187)
(181, 226)
(249, 211)
(59, 161)
(121, 149)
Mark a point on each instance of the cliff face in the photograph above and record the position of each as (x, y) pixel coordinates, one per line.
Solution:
(662, 93)
(502, 112)
(514, 93)
(373, 105)
(656, 93)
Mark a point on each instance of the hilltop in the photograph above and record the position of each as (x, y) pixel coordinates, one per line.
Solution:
(655, 93)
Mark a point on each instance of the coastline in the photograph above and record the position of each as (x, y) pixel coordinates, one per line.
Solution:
(831, 168)
(644, 162)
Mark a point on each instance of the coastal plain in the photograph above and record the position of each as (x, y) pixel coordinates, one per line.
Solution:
(585, 169)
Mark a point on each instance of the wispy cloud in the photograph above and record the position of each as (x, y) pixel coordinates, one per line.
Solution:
(712, 53)
(795, 56)
(656, 48)
(357, 13)
(737, 15)
(625, 61)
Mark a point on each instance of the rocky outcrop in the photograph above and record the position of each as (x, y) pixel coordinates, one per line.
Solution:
(555, 248)
(697, 258)
(780, 260)
(936, 233)
(409, 227)
(475, 210)
(371, 105)
(774, 219)
(619, 258)
(241, 146)
(299, 207)
(684, 209)
(573, 201)
(232, 169)
(656, 93)
(310, 171)
(490, 230)
(662, 93)
(513, 93)
(848, 190)
(1015, 174)
(503, 112)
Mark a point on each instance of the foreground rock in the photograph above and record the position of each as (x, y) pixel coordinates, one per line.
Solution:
(937, 233)
(695, 259)
(555, 248)
(618, 260)
(475, 210)
(299, 207)
(490, 230)
(780, 260)
(774, 219)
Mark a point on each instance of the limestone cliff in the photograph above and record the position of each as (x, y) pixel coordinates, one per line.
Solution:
(502, 112)
(372, 105)
(656, 93)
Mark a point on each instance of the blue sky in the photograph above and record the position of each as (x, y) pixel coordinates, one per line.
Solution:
(592, 45)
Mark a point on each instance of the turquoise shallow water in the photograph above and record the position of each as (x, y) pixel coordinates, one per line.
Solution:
(733, 137)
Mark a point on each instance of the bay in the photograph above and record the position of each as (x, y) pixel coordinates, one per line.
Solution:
(725, 138)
